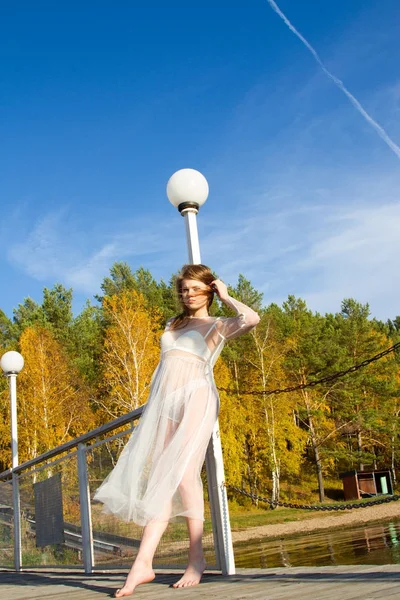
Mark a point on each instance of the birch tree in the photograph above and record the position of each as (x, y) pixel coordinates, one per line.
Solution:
(130, 353)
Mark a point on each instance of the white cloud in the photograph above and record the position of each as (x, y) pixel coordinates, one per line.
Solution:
(324, 245)
(322, 251)
(44, 253)
(359, 261)
(59, 249)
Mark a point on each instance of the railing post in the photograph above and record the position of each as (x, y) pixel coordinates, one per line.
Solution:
(17, 522)
(219, 505)
(86, 516)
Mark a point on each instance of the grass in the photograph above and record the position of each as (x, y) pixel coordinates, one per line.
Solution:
(245, 517)
(254, 517)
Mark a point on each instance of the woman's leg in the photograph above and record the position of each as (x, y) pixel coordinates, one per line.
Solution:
(191, 488)
(191, 491)
(197, 562)
(142, 568)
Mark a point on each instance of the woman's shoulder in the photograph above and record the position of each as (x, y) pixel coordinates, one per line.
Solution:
(178, 322)
(170, 322)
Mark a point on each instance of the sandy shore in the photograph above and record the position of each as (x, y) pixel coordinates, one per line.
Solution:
(381, 512)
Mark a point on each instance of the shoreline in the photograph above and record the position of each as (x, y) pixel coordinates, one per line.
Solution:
(357, 516)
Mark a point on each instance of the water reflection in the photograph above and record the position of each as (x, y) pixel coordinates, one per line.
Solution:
(361, 544)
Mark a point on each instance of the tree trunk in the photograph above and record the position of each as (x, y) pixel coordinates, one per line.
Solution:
(393, 464)
(317, 459)
(252, 483)
(275, 469)
(314, 443)
(275, 484)
(359, 447)
(393, 448)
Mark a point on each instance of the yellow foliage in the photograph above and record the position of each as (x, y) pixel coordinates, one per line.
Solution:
(131, 352)
(51, 406)
(231, 422)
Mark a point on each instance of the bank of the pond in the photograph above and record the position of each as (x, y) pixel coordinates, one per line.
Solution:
(328, 520)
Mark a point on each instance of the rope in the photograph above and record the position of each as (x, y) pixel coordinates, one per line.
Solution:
(327, 507)
(326, 379)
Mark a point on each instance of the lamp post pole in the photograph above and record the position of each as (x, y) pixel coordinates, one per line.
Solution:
(12, 382)
(187, 190)
(11, 364)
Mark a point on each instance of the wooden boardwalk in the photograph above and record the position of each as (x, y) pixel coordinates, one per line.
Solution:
(301, 583)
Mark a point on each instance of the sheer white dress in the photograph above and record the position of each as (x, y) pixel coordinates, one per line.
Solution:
(157, 476)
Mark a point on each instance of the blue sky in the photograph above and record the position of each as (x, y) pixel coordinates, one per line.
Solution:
(101, 102)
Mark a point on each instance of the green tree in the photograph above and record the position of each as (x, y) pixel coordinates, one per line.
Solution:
(28, 314)
(312, 350)
(85, 343)
(363, 399)
(121, 279)
(246, 293)
(158, 296)
(57, 309)
(7, 331)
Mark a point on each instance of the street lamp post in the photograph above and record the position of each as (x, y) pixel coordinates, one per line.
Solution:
(12, 363)
(187, 190)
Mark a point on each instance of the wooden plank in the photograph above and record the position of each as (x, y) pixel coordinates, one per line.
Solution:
(325, 583)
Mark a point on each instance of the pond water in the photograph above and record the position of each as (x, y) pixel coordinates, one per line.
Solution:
(375, 544)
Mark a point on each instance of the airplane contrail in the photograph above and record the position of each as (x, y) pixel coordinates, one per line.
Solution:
(380, 131)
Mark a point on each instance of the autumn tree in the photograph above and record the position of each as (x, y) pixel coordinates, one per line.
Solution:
(52, 405)
(280, 439)
(5, 446)
(130, 354)
(232, 422)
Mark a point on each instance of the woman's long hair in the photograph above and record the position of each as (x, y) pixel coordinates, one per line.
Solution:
(198, 273)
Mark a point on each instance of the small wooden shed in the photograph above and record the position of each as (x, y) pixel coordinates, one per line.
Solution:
(361, 484)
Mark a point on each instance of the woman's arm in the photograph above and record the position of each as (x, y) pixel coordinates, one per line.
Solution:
(246, 317)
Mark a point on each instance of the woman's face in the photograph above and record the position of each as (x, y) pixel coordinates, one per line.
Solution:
(195, 294)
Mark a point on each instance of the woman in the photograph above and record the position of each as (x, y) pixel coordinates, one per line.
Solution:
(157, 477)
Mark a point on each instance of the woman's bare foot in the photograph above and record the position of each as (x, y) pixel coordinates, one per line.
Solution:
(192, 575)
(140, 573)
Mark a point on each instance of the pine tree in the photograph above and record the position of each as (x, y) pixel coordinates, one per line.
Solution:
(85, 343)
(7, 331)
(363, 399)
(57, 309)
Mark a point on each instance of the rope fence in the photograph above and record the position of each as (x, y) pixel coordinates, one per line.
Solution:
(328, 378)
(302, 386)
(317, 507)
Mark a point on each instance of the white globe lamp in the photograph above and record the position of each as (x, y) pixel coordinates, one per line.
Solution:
(12, 363)
(187, 189)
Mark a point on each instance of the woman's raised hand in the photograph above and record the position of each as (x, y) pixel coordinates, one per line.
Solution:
(220, 288)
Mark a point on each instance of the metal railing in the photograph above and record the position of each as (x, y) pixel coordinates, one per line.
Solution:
(54, 493)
